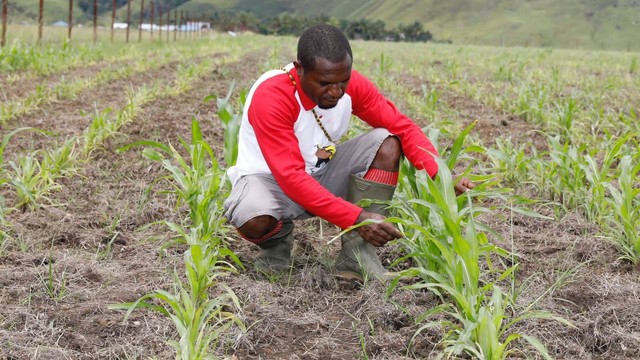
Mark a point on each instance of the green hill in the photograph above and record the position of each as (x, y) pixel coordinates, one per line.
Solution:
(610, 24)
(601, 24)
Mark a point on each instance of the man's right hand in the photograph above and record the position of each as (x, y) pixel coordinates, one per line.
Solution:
(377, 234)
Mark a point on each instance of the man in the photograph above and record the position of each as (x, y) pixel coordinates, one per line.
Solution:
(290, 165)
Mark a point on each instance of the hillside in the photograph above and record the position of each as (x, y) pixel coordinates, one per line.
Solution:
(599, 24)
(568, 23)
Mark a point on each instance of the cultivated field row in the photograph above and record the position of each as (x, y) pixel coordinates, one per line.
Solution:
(539, 261)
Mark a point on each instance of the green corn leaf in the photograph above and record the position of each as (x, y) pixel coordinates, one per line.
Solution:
(538, 346)
(149, 143)
(196, 133)
(456, 148)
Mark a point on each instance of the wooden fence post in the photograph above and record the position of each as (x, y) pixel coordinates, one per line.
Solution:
(70, 19)
(3, 38)
(175, 19)
(95, 21)
(113, 17)
(181, 21)
(141, 20)
(128, 18)
(152, 19)
(40, 21)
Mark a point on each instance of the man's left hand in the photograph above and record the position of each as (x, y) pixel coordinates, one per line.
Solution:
(463, 185)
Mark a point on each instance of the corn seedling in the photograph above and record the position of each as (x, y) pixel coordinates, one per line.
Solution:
(598, 173)
(509, 163)
(565, 175)
(4, 179)
(565, 117)
(56, 289)
(199, 319)
(447, 253)
(198, 183)
(443, 241)
(625, 202)
(30, 183)
(431, 97)
(94, 134)
(231, 121)
(61, 161)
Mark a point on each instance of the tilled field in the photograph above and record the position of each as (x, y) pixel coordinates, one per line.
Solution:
(93, 244)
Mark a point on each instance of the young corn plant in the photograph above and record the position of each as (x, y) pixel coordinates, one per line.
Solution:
(54, 286)
(566, 178)
(96, 132)
(625, 202)
(199, 318)
(449, 252)
(444, 243)
(565, 117)
(197, 182)
(598, 173)
(61, 161)
(31, 183)
(510, 163)
(4, 176)
(231, 121)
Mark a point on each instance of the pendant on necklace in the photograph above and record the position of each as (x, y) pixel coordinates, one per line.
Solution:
(325, 153)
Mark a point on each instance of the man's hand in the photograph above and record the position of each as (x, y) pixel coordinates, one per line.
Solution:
(463, 185)
(376, 234)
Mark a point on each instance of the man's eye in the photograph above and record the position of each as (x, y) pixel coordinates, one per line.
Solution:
(322, 83)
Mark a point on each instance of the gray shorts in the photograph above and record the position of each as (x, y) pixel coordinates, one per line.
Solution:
(259, 194)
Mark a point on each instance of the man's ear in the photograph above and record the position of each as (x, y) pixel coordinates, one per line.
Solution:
(299, 68)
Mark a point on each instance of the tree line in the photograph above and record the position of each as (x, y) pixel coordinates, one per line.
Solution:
(294, 24)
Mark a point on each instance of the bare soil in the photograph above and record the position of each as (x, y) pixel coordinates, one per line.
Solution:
(64, 264)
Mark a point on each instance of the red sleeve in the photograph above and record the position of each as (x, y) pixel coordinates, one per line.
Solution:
(272, 114)
(372, 107)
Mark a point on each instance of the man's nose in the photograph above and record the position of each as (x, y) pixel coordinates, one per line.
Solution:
(335, 91)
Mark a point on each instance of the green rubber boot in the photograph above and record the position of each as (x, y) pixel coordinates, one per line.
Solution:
(358, 259)
(275, 252)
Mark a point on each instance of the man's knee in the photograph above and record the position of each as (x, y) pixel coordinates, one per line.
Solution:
(258, 226)
(388, 155)
(391, 148)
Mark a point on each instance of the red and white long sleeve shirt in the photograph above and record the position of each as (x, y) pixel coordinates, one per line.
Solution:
(279, 135)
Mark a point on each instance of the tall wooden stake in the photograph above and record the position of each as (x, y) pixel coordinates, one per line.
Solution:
(152, 13)
(113, 17)
(175, 19)
(70, 19)
(40, 21)
(180, 34)
(141, 20)
(160, 23)
(3, 38)
(95, 21)
(128, 18)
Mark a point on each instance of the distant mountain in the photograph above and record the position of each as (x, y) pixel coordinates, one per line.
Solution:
(608, 24)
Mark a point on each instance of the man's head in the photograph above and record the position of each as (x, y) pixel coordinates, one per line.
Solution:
(324, 64)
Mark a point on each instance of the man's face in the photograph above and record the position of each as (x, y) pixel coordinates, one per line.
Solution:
(326, 83)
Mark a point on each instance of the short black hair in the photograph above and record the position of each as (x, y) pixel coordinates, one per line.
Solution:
(322, 41)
